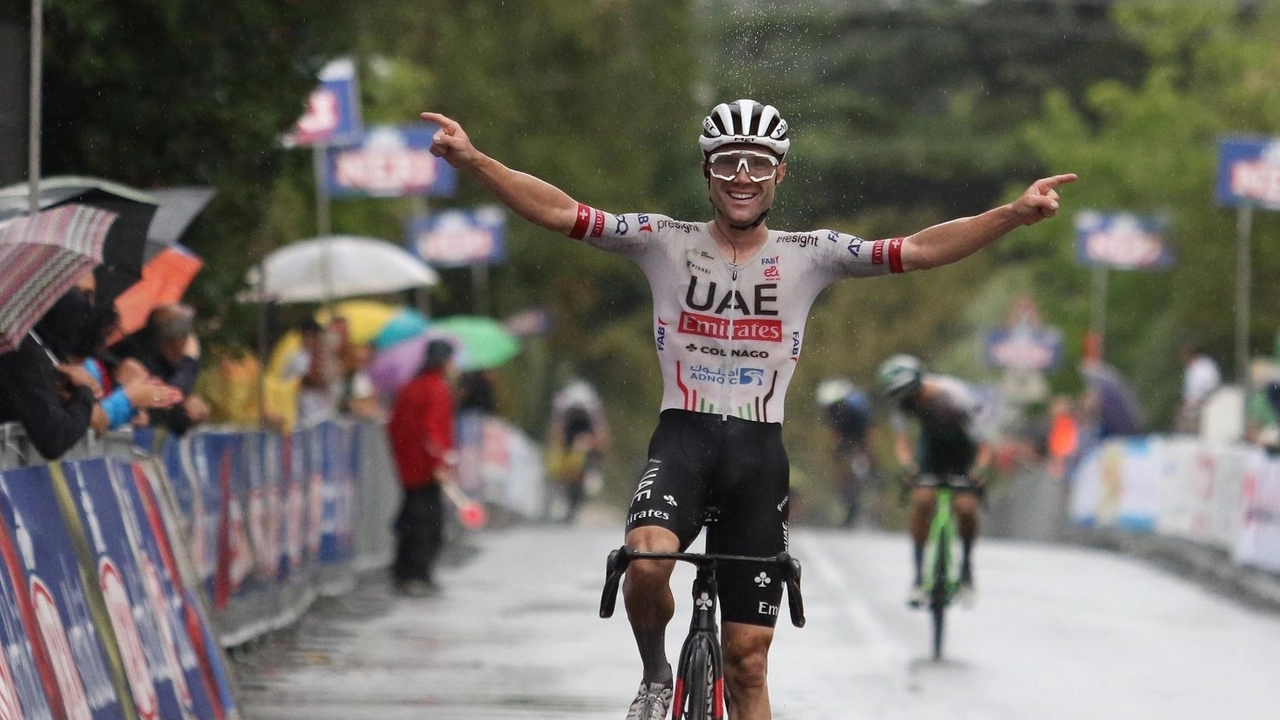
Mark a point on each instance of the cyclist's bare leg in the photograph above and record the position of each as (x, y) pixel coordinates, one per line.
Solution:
(965, 505)
(923, 500)
(646, 592)
(746, 666)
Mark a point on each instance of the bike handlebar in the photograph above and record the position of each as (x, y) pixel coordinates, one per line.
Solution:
(621, 558)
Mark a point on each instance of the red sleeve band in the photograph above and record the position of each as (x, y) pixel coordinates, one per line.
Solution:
(582, 222)
(895, 255)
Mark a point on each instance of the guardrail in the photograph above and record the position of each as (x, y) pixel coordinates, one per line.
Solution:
(1222, 496)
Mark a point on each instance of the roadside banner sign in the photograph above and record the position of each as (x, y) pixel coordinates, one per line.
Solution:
(1123, 241)
(1023, 348)
(457, 238)
(389, 161)
(333, 109)
(1249, 172)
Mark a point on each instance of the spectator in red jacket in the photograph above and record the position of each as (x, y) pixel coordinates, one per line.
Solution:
(421, 433)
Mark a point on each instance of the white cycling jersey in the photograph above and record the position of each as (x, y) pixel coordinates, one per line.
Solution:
(728, 336)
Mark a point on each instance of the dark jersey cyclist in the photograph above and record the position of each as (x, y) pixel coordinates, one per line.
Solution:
(848, 413)
(950, 444)
(730, 298)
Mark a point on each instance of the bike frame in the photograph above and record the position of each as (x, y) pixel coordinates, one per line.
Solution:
(704, 632)
(942, 539)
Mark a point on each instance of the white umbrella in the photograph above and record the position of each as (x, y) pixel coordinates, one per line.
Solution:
(338, 266)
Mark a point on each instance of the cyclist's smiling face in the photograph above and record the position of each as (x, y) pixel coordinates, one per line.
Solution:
(742, 199)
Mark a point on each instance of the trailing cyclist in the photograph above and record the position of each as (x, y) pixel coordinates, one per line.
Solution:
(848, 413)
(949, 446)
(730, 301)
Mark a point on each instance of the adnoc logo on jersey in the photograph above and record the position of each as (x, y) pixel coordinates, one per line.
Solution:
(717, 327)
(1122, 240)
(1249, 172)
(390, 162)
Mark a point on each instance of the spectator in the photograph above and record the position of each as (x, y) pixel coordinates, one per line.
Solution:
(1063, 438)
(577, 437)
(315, 365)
(1262, 407)
(1199, 379)
(421, 432)
(1109, 408)
(169, 350)
(475, 393)
(52, 400)
(358, 397)
(234, 389)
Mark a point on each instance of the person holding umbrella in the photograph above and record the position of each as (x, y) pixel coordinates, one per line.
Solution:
(421, 432)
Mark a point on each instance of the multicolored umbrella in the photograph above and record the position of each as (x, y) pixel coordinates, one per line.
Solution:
(487, 344)
(403, 325)
(481, 343)
(42, 256)
(123, 250)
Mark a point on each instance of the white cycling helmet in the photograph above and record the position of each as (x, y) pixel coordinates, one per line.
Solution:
(744, 121)
(833, 390)
(900, 376)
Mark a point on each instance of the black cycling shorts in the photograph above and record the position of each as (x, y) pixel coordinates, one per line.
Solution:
(950, 452)
(738, 468)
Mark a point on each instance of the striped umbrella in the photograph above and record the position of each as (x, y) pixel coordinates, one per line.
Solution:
(42, 256)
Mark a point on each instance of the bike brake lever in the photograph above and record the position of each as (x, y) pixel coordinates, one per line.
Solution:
(615, 566)
(791, 576)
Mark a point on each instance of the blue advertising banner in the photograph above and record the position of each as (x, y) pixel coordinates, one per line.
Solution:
(333, 110)
(457, 238)
(1249, 172)
(265, 525)
(197, 651)
(293, 495)
(337, 491)
(156, 680)
(28, 687)
(58, 596)
(1123, 241)
(388, 161)
(1022, 348)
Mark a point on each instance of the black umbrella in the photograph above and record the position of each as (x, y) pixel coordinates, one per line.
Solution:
(123, 250)
(178, 207)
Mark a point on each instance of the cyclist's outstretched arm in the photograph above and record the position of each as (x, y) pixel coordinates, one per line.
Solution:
(948, 242)
(535, 200)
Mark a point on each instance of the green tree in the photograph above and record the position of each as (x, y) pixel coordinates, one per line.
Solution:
(181, 92)
(1153, 148)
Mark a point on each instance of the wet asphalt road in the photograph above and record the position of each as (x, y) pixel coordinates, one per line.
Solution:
(1058, 633)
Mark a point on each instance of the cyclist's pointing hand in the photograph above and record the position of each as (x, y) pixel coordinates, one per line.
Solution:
(450, 142)
(1040, 201)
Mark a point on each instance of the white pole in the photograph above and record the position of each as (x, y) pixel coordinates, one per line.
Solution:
(1244, 281)
(1100, 306)
(33, 129)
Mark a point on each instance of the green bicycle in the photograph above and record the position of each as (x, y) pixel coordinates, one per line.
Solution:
(942, 569)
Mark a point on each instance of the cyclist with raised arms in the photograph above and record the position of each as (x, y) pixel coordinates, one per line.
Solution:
(950, 445)
(730, 299)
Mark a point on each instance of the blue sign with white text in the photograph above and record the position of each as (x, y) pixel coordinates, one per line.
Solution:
(1123, 241)
(389, 161)
(1249, 172)
(457, 238)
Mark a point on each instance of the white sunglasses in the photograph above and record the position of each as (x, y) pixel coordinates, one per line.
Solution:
(726, 165)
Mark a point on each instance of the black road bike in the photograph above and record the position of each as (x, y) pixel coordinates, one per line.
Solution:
(699, 679)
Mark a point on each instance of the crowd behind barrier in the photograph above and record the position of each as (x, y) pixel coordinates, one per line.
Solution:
(133, 561)
(1218, 495)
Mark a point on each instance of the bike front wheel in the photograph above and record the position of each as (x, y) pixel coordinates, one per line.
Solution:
(940, 597)
(699, 691)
